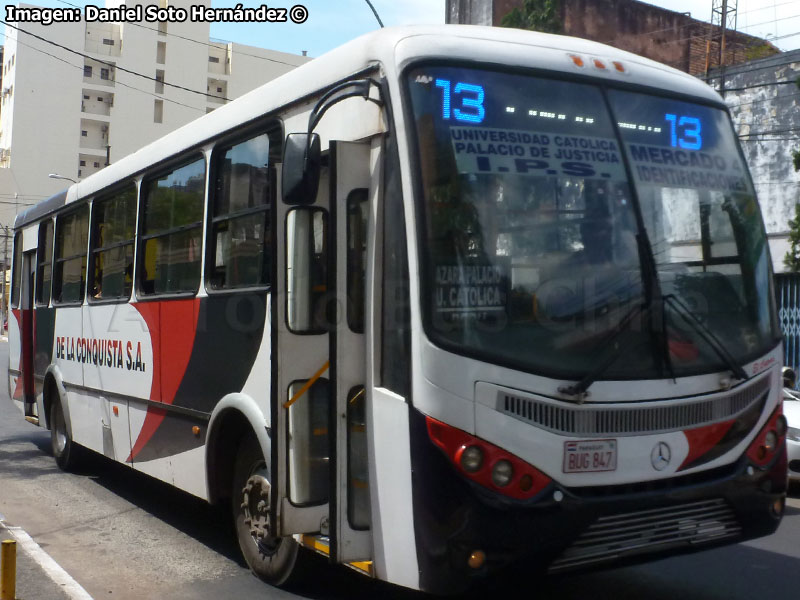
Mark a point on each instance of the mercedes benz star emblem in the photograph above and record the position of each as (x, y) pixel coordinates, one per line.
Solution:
(660, 456)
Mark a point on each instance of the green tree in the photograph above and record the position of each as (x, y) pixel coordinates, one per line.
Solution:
(792, 258)
(537, 15)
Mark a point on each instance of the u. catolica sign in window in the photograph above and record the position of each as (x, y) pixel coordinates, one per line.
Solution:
(470, 291)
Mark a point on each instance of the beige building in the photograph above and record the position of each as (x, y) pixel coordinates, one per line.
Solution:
(69, 112)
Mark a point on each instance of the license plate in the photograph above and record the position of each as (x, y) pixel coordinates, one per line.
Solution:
(590, 456)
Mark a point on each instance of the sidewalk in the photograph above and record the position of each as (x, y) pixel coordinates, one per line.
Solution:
(33, 580)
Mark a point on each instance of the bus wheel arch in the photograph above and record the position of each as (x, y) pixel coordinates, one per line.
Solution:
(53, 391)
(235, 417)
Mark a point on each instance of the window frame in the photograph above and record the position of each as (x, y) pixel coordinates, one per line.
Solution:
(42, 264)
(16, 266)
(274, 133)
(58, 261)
(173, 165)
(108, 195)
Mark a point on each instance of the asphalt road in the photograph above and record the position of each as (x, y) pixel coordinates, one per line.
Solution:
(125, 536)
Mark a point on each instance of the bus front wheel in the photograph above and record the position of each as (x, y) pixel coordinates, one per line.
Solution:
(65, 451)
(276, 560)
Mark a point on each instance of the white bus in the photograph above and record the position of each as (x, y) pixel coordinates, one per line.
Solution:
(443, 302)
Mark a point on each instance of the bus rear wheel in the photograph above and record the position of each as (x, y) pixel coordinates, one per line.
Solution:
(275, 560)
(65, 451)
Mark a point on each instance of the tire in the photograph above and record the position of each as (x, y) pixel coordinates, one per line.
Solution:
(277, 561)
(65, 450)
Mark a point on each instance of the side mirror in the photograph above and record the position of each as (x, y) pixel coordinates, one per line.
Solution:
(301, 166)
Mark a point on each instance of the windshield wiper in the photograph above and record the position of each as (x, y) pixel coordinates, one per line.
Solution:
(712, 340)
(579, 389)
(653, 308)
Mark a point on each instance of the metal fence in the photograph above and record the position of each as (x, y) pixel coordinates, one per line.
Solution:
(787, 291)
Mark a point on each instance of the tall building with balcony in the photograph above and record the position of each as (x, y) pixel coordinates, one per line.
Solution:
(106, 90)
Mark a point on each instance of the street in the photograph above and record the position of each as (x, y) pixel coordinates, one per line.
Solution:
(123, 535)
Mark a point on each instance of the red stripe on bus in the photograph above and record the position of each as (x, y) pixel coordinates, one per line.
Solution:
(703, 439)
(172, 326)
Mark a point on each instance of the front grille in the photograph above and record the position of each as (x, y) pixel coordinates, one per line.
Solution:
(613, 537)
(616, 420)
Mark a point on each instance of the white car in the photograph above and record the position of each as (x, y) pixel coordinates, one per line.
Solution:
(791, 409)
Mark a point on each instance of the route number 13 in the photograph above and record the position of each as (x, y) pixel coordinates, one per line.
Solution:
(684, 132)
(471, 109)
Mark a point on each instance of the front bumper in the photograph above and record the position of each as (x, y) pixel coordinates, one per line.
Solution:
(564, 529)
(793, 456)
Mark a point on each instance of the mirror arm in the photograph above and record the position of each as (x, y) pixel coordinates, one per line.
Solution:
(347, 89)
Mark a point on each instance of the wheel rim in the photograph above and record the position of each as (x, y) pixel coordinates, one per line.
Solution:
(255, 507)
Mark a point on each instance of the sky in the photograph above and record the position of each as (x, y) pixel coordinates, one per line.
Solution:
(331, 23)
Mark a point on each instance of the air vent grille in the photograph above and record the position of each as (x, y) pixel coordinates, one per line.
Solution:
(617, 536)
(595, 421)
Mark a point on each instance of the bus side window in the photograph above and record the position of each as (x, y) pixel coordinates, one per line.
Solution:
(72, 231)
(113, 231)
(238, 248)
(17, 266)
(395, 318)
(44, 263)
(172, 230)
(357, 209)
(306, 269)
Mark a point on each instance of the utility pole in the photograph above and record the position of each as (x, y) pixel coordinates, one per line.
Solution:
(723, 19)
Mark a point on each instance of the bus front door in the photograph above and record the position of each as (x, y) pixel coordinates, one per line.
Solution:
(319, 448)
(355, 171)
(27, 326)
(301, 395)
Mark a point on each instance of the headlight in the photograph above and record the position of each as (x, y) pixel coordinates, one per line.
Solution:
(793, 433)
(502, 473)
(472, 459)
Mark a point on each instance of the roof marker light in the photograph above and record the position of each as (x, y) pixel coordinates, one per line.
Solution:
(599, 64)
(510, 109)
(577, 60)
(618, 66)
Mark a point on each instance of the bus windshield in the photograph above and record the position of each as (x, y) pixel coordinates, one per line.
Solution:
(533, 250)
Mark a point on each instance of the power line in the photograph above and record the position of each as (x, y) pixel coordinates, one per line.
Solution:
(375, 12)
(770, 99)
(770, 132)
(772, 21)
(116, 81)
(699, 23)
(760, 85)
(110, 64)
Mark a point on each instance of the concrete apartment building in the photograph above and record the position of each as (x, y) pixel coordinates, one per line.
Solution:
(70, 112)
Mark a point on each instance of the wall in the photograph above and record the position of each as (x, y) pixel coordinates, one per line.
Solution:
(669, 37)
(766, 114)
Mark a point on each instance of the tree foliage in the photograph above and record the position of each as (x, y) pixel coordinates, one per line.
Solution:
(536, 15)
(792, 259)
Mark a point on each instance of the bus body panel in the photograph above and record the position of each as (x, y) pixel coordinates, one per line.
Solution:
(393, 515)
